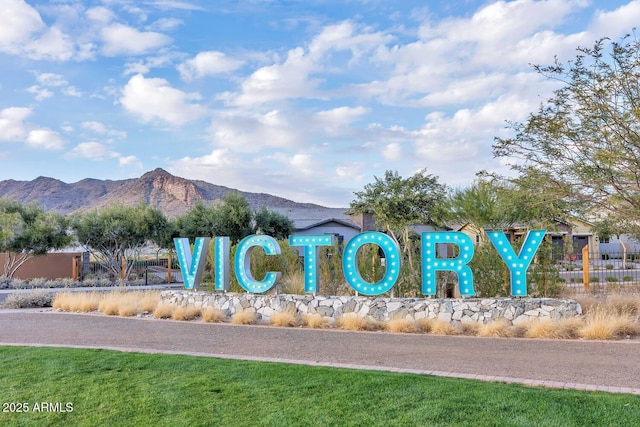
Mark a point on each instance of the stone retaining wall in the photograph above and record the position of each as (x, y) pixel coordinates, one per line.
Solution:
(454, 311)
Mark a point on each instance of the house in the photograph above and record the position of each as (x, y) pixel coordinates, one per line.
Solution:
(568, 237)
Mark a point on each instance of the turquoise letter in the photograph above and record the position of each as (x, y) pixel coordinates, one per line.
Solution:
(517, 264)
(350, 263)
(311, 244)
(243, 262)
(432, 264)
(221, 263)
(191, 269)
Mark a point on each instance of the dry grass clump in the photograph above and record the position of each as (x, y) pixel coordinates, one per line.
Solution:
(283, 318)
(63, 301)
(606, 324)
(555, 329)
(163, 311)
(292, 283)
(352, 322)
(500, 328)
(436, 326)
(213, 315)
(186, 313)
(111, 302)
(148, 301)
(469, 328)
(77, 301)
(244, 317)
(315, 321)
(401, 325)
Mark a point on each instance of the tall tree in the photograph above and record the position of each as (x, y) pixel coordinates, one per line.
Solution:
(237, 217)
(119, 231)
(200, 221)
(398, 203)
(27, 231)
(582, 146)
(273, 224)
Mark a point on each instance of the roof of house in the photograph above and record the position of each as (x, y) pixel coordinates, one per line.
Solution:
(309, 224)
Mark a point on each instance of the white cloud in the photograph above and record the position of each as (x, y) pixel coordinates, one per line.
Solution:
(100, 14)
(12, 126)
(18, 23)
(22, 32)
(93, 151)
(154, 99)
(45, 139)
(39, 92)
(252, 132)
(617, 22)
(102, 129)
(206, 64)
(130, 161)
(166, 24)
(120, 39)
(392, 151)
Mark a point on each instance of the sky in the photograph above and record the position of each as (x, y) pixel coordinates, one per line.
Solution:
(304, 99)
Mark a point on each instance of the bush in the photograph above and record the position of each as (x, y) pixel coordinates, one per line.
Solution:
(611, 279)
(35, 299)
(609, 266)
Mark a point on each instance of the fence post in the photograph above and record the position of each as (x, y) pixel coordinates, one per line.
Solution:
(74, 269)
(585, 267)
(169, 270)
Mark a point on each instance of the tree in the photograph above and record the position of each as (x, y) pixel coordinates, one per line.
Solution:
(486, 204)
(398, 203)
(119, 231)
(236, 217)
(27, 231)
(199, 221)
(273, 224)
(582, 146)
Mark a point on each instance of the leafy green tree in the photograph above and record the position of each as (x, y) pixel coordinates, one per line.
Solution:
(582, 146)
(27, 231)
(199, 221)
(398, 203)
(486, 205)
(273, 224)
(119, 231)
(236, 217)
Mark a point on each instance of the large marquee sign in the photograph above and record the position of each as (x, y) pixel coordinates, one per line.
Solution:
(435, 251)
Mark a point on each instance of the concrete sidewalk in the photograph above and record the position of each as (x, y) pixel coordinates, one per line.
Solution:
(588, 365)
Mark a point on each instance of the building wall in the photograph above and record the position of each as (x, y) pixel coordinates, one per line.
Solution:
(49, 266)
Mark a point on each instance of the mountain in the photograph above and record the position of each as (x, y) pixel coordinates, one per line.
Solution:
(171, 194)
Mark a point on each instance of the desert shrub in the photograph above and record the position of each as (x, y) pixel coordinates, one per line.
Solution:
(604, 323)
(489, 272)
(497, 328)
(469, 328)
(555, 329)
(611, 279)
(543, 277)
(34, 299)
(292, 283)
(244, 317)
(352, 322)
(315, 321)
(163, 311)
(186, 313)
(283, 318)
(435, 326)
(213, 315)
(401, 325)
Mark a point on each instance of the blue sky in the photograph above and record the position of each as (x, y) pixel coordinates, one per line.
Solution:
(304, 99)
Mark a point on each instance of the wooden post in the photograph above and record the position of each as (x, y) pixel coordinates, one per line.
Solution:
(169, 271)
(585, 267)
(74, 269)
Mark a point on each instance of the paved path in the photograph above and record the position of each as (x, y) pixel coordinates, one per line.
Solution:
(608, 366)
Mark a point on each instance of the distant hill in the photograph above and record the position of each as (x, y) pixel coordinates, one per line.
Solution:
(171, 194)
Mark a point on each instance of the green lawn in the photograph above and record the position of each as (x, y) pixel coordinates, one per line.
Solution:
(118, 389)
